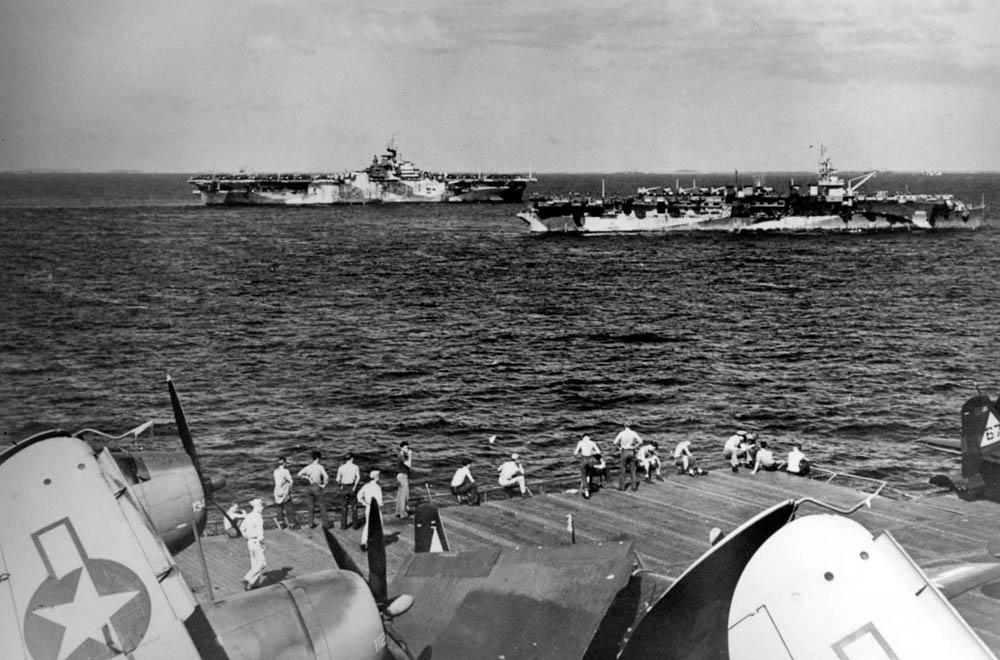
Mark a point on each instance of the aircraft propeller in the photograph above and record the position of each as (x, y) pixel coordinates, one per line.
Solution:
(376, 575)
(209, 486)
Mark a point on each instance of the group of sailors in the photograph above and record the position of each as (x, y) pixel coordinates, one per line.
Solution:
(511, 476)
(742, 449)
(635, 457)
(353, 495)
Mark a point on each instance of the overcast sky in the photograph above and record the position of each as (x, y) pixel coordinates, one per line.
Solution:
(560, 85)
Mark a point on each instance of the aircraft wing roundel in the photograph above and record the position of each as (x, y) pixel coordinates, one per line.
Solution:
(77, 581)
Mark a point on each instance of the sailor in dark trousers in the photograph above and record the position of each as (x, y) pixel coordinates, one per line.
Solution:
(628, 442)
(348, 477)
(316, 475)
(586, 449)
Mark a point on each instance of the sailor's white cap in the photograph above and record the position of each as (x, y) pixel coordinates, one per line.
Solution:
(374, 474)
(513, 457)
(256, 502)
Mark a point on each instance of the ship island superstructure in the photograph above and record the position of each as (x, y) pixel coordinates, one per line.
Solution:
(388, 179)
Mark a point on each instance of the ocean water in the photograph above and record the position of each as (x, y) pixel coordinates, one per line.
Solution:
(353, 328)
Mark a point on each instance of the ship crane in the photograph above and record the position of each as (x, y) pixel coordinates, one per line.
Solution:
(861, 180)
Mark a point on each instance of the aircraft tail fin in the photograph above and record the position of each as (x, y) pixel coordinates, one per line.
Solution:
(980, 434)
(428, 530)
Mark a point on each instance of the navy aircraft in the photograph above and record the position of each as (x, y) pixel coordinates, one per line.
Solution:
(979, 448)
(85, 574)
(170, 485)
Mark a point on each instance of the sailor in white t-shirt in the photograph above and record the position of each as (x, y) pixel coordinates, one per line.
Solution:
(512, 474)
(463, 485)
(589, 452)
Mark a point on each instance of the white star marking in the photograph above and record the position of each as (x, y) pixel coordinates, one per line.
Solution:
(85, 615)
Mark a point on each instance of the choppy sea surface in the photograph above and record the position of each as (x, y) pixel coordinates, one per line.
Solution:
(353, 328)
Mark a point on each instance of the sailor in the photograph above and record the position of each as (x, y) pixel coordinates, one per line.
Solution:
(283, 495)
(599, 470)
(765, 459)
(315, 475)
(628, 442)
(748, 449)
(649, 461)
(797, 461)
(589, 452)
(404, 461)
(370, 491)
(463, 486)
(252, 528)
(512, 474)
(348, 478)
(684, 459)
(735, 449)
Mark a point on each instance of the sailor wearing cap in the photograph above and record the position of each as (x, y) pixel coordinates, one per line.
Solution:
(733, 451)
(512, 474)
(252, 528)
(369, 492)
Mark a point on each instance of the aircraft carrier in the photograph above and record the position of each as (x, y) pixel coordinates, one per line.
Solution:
(388, 179)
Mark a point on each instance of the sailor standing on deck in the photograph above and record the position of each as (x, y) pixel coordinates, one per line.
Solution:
(628, 442)
(315, 474)
(348, 477)
(370, 491)
(252, 528)
(404, 461)
(283, 495)
(588, 451)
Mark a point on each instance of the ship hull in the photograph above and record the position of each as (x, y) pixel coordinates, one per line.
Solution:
(390, 192)
(620, 222)
(656, 222)
(922, 213)
(360, 190)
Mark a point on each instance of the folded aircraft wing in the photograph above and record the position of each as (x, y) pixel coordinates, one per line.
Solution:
(824, 587)
(84, 574)
(515, 603)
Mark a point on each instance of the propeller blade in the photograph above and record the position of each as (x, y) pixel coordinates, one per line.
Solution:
(393, 634)
(343, 560)
(376, 556)
(182, 428)
(208, 485)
